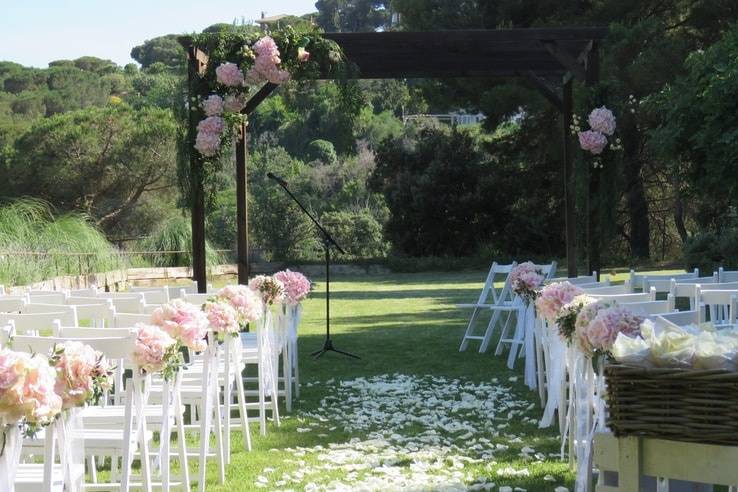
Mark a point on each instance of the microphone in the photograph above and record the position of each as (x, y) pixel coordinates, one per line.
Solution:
(276, 178)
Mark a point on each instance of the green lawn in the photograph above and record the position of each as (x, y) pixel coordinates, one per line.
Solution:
(403, 326)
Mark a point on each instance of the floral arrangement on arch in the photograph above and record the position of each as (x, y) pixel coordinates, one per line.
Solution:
(600, 135)
(240, 62)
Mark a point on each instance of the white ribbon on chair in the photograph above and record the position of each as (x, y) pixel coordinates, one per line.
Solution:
(70, 435)
(589, 388)
(266, 336)
(12, 442)
(527, 318)
(555, 361)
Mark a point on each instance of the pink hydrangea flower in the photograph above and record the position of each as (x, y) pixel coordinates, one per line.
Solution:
(303, 55)
(296, 286)
(602, 120)
(185, 322)
(153, 347)
(213, 105)
(270, 288)
(79, 369)
(604, 328)
(555, 296)
(229, 74)
(234, 103)
(246, 302)
(525, 280)
(266, 67)
(209, 132)
(27, 389)
(222, 317)
(592, 141)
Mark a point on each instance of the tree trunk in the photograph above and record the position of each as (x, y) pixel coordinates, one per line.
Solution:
(679, 212)
(635, 193)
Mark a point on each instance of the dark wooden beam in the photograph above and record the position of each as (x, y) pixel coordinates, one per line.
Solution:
(259, 97)
(197, 192)
(546, 91)
(242, 208)
(570, 218)
(568, 61)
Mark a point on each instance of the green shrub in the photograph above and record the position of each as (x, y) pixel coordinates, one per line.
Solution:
(358, 233)
(173, 240)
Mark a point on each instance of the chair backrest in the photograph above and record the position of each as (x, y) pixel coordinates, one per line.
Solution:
(635, 280)
(133, 305)
(175, 291)
(722, 305)
(626, 298)
(548, 270)
(128, 320)
(679, 318)
(74, 300)
(663, 285)
(650, 308)
(111, 347)
(30, 322)
(11, 304)
(727, 275)
(611, 289)
(98, 315)
(582, 279)
(47, 296)
(717, 286)
(197, 299)
(595, 285)
(88, 292)
(152, 295)
(150, 308)
(84, 332)
(34, 307)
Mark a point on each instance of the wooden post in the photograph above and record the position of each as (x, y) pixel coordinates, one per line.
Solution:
(197, 192)
(242, 208)
(569, 182)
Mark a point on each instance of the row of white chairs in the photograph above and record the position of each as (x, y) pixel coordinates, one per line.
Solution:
(62, 320)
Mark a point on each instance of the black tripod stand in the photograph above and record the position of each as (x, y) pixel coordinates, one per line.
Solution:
(328, 242)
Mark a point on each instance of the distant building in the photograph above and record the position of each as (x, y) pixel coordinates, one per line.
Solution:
(450, 118)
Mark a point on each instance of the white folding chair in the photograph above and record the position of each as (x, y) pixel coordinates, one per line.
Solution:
(582, 279)
(650, 308)
(176, 291)
(727, 275)
(626, 298)
(70, 312)
(489, 299)
(34, 324)
(606, 289)
(517, 340)
(718, 311)
(635, 281)
(117, 440)
(12, 304)
(47, 296)
(128, 320)
(678, 318)
(721, 305)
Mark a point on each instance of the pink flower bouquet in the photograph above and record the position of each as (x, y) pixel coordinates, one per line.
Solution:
(597, 334)
(27, 390)
(296, 286)
(568, 314)
(222, 317)
(82, 374)
(246, 302)
(185, 322)
(156, 351)
(553, 297)
(270, 289)
(525, 279)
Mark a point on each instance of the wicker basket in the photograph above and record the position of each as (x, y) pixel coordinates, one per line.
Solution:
(678, 404)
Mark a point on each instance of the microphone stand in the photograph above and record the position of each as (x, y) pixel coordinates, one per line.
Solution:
(328, 241)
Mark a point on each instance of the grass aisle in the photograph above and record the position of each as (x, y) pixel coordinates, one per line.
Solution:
(413, 413)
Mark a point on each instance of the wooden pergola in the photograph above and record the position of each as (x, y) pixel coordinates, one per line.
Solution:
(549, 59)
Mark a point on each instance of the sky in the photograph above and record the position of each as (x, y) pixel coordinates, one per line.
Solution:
(35, 32)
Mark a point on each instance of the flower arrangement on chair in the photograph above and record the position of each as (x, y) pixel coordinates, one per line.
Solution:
(184, 322)
(526, 279)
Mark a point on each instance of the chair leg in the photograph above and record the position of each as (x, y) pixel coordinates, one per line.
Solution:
(181, 444)
(469, 330)
(227, 397)
(295, 368)
(489, 331)
(262, 402)
(218, 429)
(243, 413)
(504, 334)
(287, 373)
(275, 393)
